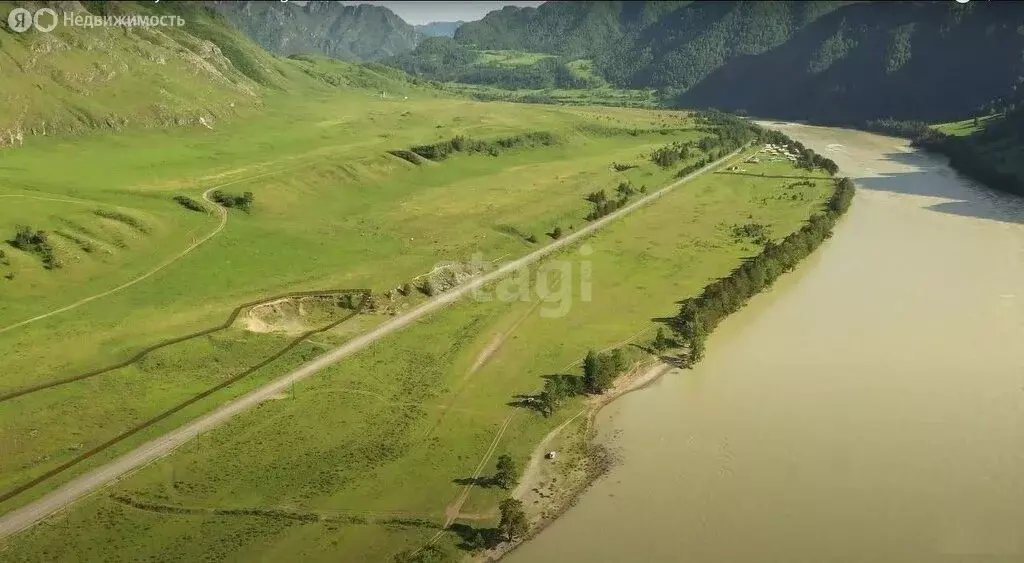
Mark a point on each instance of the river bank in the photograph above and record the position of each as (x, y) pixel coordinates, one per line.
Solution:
(782, 445)
(548, 487)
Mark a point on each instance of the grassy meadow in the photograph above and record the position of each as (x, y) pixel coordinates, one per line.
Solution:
(332, 210)
(964, 127)
(372, 452)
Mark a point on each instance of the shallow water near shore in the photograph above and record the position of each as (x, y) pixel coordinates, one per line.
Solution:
(869, 407)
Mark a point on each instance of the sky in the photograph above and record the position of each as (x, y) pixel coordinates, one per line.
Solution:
(419, 13)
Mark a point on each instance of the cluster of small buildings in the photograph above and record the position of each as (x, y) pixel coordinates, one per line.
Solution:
(777, 153)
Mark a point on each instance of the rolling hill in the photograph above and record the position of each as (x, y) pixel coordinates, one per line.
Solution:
(75, 79)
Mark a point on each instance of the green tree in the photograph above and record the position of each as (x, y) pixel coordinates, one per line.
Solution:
(513, 522)
(557, 389)
(617, 362)
(506, 473)
(591, 373)
(696, 353)
(432, 553)
(661, 341)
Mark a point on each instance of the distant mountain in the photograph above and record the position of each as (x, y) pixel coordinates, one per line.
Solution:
(439, 29)
(362, 32)
(826, 61)
(575, 29)
(923, 61)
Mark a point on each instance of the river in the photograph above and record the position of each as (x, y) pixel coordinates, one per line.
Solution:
(868, 408)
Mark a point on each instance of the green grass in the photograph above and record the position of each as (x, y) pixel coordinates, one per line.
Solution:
(332, 210)
(963, 128)
(584, 68)
(603, 96)
(509, 58)
(391, 428)
(387, 430)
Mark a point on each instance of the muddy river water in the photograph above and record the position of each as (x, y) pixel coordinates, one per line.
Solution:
(869, 408)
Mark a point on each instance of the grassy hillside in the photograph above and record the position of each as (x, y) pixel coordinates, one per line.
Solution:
(74, 79)
(354, 33)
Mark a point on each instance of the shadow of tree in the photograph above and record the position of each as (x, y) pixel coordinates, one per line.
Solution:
(483, 482)
(475, 539)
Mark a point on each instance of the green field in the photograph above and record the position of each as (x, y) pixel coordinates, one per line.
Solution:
(116, 299)
(333, 210)
(965, 127)
(374, 446)
(604, 96)
(510, 58)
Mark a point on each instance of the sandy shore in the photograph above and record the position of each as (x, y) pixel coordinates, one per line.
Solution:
(550, 487)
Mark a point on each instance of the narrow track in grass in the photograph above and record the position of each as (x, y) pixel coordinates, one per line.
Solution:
(389, 517)
(25, 516)
(191, 400)
(223, 213)
(19, 392)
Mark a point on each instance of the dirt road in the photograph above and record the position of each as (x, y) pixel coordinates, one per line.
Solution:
(28, 515)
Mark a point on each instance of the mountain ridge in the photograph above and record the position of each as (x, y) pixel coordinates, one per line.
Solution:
(354, 33)
(843, 61)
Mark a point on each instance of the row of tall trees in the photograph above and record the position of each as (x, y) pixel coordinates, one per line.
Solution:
(460, 143)
(698, 316)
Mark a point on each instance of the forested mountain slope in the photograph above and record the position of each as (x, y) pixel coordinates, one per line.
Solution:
(439, 29)
(994, 153)
(573, 29)
(928, 61)
(827, 61)
(360, 32)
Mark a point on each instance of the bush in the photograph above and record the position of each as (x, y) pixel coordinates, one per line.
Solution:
(123, 218)
(407, 156)
(242, 201)
(35, 242)
(459, 143)
(189, 203)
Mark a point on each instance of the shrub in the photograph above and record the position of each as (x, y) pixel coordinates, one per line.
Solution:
(227, 199)
(35, 242)
(123, 218)
(189, 203)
